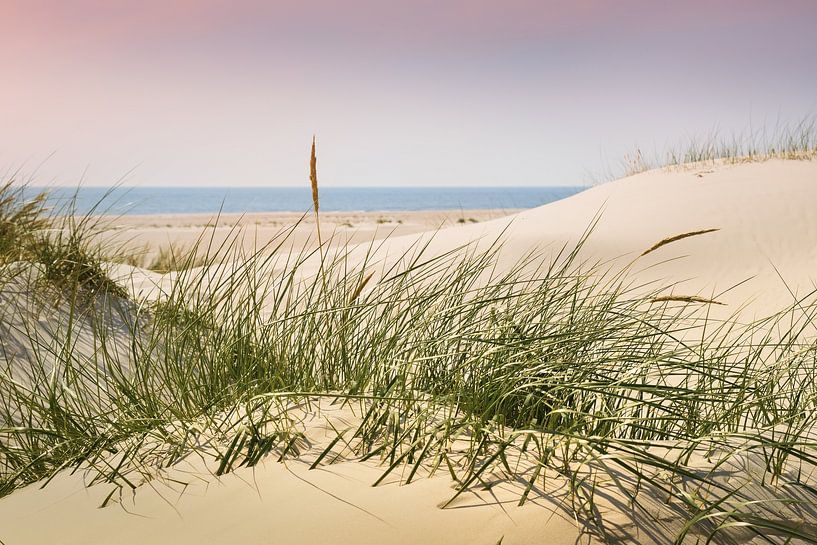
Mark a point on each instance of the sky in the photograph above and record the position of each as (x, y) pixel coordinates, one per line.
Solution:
(408, 93)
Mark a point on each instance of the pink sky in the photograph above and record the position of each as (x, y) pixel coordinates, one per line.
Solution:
(399, 93)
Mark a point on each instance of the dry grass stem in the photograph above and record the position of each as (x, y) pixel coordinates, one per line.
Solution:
(684, 299)
(675, 238)
(313, 180)
(360, 287)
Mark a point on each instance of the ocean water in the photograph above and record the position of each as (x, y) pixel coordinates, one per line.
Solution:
(185, 200)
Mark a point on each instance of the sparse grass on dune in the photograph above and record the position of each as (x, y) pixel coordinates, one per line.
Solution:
(555, 369)
(169, 258)
(794, 141)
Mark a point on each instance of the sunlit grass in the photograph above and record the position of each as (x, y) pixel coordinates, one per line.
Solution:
(554, 367)
(793, 141)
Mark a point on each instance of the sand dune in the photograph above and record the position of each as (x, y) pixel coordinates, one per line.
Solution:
(759, 256)
(763, 212)
(281, 503)
(759, 251)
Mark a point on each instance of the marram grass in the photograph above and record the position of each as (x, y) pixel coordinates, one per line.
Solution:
(554, 367)
(792, 141)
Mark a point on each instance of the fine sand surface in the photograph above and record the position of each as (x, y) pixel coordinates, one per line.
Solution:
(762, 255)
(281, 503)
(763, 252)
(147, 234)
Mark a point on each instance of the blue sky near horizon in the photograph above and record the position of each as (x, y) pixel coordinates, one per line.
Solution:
(450, 92)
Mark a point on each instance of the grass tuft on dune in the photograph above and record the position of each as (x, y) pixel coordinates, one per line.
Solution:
(792, 141)
(58, 240)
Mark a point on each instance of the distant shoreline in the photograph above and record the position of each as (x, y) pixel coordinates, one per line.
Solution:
(326, 215)
(150, 232)
(175, 201)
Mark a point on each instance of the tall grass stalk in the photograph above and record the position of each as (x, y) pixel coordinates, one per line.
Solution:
(313, 181)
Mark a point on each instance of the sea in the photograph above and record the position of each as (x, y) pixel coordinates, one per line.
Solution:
(188, 200)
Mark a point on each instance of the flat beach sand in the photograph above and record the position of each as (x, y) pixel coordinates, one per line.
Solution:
(150, 233)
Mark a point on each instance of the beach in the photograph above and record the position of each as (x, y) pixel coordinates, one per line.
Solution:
(147, 234)
(746, 257)
(408, 273)
(725, 243)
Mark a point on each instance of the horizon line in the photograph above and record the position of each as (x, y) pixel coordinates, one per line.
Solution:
(305, 187)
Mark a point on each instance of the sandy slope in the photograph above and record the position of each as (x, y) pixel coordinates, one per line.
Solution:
(281, 503)
(767, 230)
(764, 213)
(763, 252)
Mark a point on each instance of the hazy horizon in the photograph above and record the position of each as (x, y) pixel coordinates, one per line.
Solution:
(299, 186)
(298, 199)
(449, 93)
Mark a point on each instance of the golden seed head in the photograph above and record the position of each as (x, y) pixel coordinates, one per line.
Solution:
(313, 176)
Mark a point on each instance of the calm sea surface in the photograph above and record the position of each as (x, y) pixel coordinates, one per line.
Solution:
(183, 200)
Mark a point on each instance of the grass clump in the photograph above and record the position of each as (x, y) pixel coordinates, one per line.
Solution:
(167, 259)
(794, 141)
(60, 241)
(551, 371)
(170, 259)
(20, 218)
